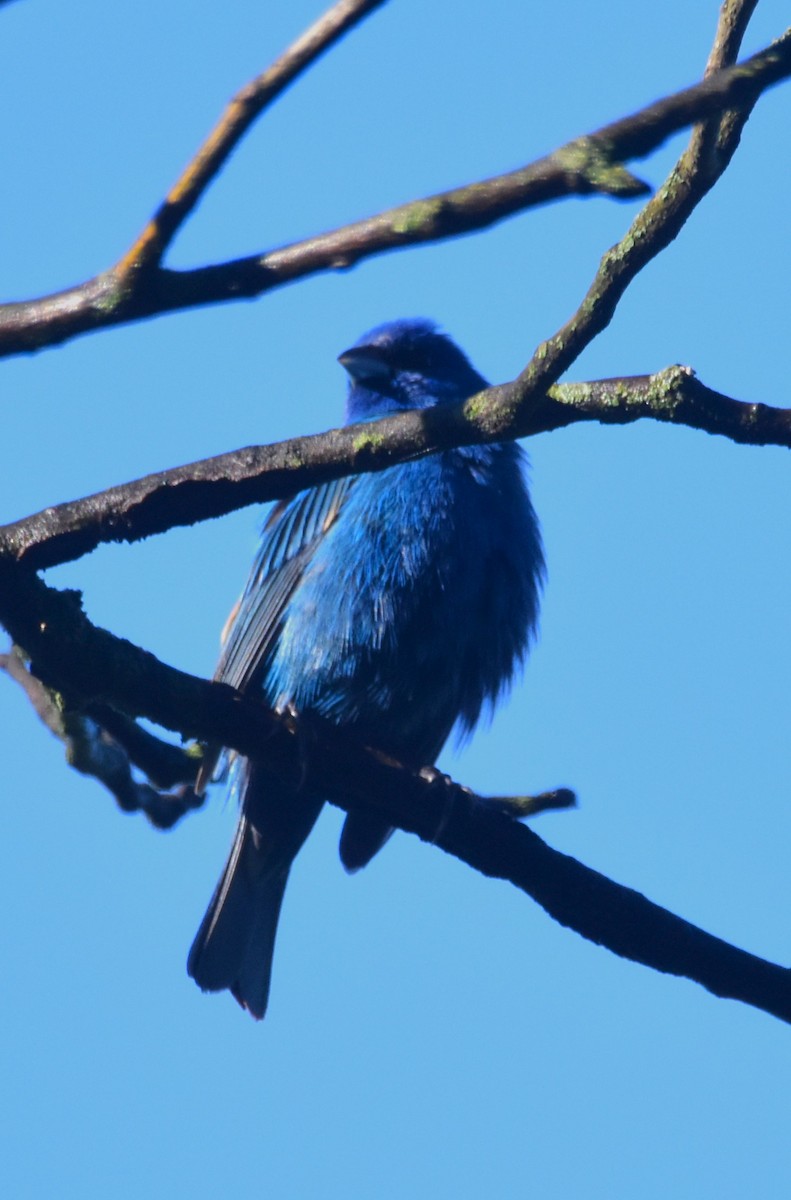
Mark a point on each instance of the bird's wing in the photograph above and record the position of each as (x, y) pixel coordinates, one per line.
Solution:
(289, 539)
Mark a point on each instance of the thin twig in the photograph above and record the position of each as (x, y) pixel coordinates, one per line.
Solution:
(246, 106)
(93, 751)
(163, 764)
(558, 800)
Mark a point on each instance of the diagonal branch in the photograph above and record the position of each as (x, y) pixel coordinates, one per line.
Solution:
(585, 165)
(655, 226)
(733, 21)
(79, 660)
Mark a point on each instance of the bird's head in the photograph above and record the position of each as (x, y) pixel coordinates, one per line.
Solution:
(403, 365)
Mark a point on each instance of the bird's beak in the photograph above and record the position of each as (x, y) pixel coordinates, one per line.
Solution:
(363, 364)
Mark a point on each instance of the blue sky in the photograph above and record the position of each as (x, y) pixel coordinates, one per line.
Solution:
(431, 1033)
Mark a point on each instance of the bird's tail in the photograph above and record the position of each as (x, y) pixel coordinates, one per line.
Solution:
(234, 946)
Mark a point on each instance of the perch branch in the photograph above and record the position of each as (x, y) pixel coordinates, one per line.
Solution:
(80, 661)
(216, 486)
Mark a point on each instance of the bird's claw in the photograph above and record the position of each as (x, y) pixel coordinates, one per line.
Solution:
(439, 781)
(299, 724)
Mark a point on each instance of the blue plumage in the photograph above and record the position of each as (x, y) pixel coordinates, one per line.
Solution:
(396, 604)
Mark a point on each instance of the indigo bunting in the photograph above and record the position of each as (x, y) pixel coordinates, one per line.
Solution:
(396, 604)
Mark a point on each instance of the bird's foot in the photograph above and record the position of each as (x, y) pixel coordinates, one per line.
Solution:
(440, 782)
(300, 726)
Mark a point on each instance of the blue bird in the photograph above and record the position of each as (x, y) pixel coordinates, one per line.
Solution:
(396, 604)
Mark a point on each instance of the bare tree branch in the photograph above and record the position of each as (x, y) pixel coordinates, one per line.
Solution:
(652, 230)
(92, 750)
(733, 21)
(79, 660)
(246, 106)
(164, 764)
(518, 409)
(105, 743)
(216, 486)
(585, 165)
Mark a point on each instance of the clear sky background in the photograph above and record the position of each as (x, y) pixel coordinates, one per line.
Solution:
(431, 1033)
